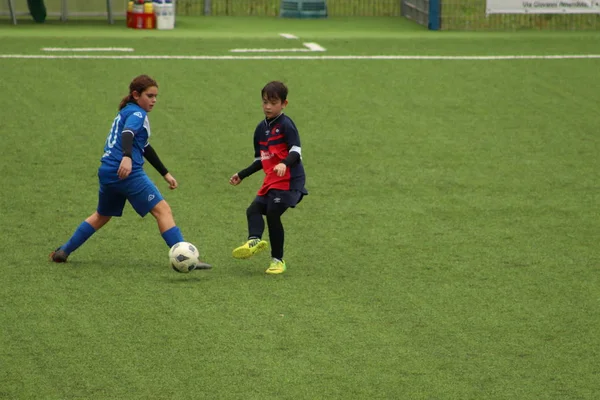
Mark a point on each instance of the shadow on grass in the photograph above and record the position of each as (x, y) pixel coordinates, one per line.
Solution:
(182, 279)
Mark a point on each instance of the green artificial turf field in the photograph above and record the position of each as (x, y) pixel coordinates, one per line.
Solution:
(448, 248)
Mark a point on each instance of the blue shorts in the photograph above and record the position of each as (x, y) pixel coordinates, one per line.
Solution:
(138, 189)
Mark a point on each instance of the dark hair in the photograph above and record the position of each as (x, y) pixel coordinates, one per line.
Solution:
(138, 84)
(275, 90)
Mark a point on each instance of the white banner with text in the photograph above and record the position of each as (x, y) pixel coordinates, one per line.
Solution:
(543, 7)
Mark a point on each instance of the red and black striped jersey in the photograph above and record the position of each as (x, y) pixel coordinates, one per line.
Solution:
(273, 141)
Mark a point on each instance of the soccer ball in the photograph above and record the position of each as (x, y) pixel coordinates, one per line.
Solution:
(183, 257)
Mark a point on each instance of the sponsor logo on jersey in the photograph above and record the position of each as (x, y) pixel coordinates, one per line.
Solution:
(265, 155)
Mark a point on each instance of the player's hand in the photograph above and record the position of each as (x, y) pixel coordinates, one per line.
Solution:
(171, 181)
(124, 168)
(235, 180)
(280, 169)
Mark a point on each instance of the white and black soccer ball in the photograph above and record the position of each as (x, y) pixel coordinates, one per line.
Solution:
(183, 257)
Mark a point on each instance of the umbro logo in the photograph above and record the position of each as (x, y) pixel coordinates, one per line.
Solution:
(277, 200)
(151, 197)
(138, 114)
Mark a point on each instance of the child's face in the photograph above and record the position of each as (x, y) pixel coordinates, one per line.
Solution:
(147, 99)
(273, 107)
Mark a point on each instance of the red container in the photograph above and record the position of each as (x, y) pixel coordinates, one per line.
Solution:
(141, 20)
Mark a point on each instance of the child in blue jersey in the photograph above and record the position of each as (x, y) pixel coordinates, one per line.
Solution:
(121, 174)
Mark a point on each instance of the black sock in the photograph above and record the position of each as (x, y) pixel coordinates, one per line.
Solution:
(256, 224)
(276, 232)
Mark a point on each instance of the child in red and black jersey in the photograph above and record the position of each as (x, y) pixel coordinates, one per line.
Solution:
(277, 152)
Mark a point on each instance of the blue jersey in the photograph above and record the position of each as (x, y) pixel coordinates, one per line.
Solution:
(131, 118)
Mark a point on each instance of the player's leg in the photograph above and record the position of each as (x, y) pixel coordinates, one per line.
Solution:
(166, 223)
(279, 202)
(169, 230)
(276, 236)
(145, 198)
(83, 232)
(110, 203)
(256, 227)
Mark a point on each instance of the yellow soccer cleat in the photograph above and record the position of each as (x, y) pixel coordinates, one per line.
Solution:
(276, 267)
(250, 248)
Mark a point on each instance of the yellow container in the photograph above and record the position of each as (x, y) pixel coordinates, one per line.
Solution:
(148, 9)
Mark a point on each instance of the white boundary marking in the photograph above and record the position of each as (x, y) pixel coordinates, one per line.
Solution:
(299, 57)
(124, 49)
(314, 47)
(288, 36)
(307, 47)
(295, 50)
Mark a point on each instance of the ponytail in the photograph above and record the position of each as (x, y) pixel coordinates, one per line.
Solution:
(126, 99)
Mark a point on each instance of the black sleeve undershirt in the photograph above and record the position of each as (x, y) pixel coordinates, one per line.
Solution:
(254, 167)
(152, 157)
(291, 159)
(127, 143)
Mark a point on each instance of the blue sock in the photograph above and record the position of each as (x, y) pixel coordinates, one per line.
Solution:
(82, 233)
(172, 236)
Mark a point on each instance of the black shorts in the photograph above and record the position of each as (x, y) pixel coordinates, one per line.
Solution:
(289, 198)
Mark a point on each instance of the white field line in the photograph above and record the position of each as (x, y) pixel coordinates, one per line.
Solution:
(295, 50)
(124, 49)
(288, 36)
(307, 47)
(298, 57)
(314, 47)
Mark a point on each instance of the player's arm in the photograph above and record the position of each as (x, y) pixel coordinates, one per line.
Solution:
(237, 178)
(127, 142)
(292, 158)
(292, 139)
(294, 150)
(133, 124)
(126, 166)
(252, 168)
(151, 156)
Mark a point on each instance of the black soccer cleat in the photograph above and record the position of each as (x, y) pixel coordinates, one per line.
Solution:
(59, 256)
